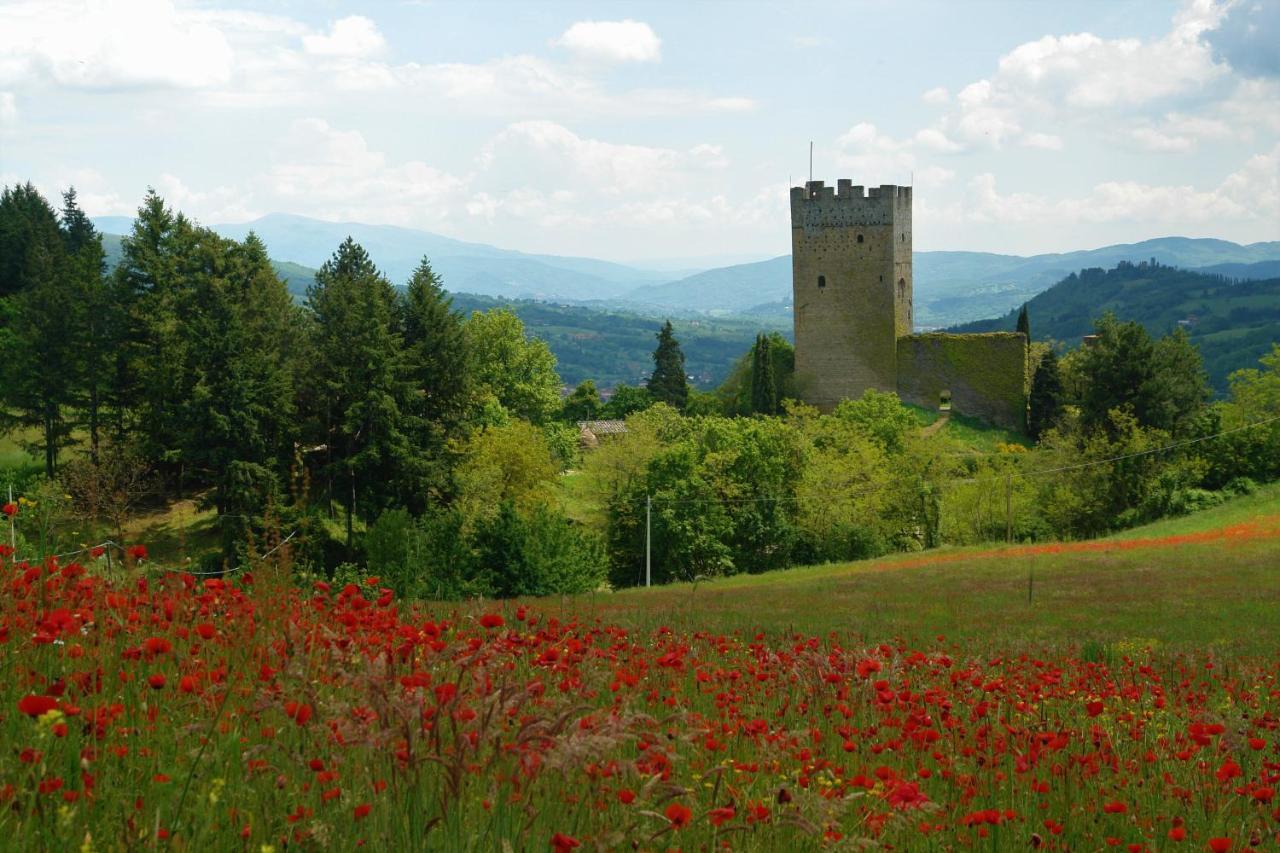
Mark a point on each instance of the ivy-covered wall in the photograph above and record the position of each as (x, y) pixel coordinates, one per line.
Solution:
(986, 375)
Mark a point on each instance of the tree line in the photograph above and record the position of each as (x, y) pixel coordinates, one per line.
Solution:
(192, 361)
(399, 438)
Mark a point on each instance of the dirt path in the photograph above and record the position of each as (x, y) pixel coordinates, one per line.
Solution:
(936, 425)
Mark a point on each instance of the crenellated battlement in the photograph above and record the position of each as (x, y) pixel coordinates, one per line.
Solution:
(816, 205)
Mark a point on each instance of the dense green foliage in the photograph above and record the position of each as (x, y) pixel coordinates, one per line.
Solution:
(393, 436)
(1232, 322)
(1045, 400)
(613, 347)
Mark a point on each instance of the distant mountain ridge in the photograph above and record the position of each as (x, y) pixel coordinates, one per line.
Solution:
(1234, 321)
(950, 286)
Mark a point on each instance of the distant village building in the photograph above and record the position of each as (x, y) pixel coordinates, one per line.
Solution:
(591, 432)
(852, 288)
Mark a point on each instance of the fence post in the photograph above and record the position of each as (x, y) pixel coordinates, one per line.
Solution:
(648, 539)
(1008, 508)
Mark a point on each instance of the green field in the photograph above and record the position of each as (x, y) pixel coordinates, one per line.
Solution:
(1134, 590)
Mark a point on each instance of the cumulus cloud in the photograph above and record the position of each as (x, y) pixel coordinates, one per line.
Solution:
(879, 158)
(1250, 194)
(353, 36)
(1057, 81)
(98, 45)
(612, 41)
(937, 95)
(335, 174)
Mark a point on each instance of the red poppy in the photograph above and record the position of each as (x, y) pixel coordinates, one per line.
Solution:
(156, 681)
(626, 796)
(35, 706)
(1178, 833)
(362, 811)
(137, 552)
(492, 620)
(1115, 807)
(1093, 708)
(722, 815)
(679, 815)
(10, 509)
(562, 843)
(1220, 845)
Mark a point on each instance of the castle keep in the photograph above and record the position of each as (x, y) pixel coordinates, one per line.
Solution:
(851, 281)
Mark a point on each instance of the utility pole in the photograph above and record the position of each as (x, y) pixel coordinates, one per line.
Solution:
(648, 539)
(1008, 508)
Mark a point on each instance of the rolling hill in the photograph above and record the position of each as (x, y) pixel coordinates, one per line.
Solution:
(950, 287)
(955, 287)
(1233, 321)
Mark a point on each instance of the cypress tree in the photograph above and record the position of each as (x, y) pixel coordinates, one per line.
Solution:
(764, 386)
(669, 384)
(1024, 322)
(1046, 396)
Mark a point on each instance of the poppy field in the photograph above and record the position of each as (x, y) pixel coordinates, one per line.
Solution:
(151, 709)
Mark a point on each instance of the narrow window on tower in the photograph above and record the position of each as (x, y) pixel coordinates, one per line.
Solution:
(859, 238)
(902, 287)
(822, 281)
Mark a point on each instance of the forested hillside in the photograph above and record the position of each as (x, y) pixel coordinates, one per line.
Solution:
(1232, 322)
(612, 347)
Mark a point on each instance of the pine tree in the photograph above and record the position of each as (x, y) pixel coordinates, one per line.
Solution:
(160, 263)
(1046, 396)
(94, 318)
(360, 382)
(1024, 322)
(238, 420)
(38, 384)
(669, 384)
(438, 364)
(764, 387)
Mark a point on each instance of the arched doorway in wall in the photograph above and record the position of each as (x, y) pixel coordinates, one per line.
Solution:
(944, 400)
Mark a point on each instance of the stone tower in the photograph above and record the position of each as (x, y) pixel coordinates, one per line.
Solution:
(851, 280)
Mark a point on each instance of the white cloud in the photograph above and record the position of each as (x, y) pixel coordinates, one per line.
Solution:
(1082, 79)
(1251, 194)
(352, 36)
(936, 96)
(876, 158)
(612, 41)
(936, 140)
(99, 45)
(533, 153)
(8, 107)
(334, 174)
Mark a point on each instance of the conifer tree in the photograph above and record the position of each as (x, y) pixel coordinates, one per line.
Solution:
(38, 384)
(1046, 396)
(360, 382)
(438, 364)
(764, 387)
(238, 420)
(669, 384)
(93, 320)
(1024, 322)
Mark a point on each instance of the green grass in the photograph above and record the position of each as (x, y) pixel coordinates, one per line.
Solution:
(1223, 594)
(979, 435)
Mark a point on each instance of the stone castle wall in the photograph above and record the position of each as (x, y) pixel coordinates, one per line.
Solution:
(984, 374)
(852, 286)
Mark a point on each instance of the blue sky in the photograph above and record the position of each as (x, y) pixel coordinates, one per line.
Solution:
(640, 131)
